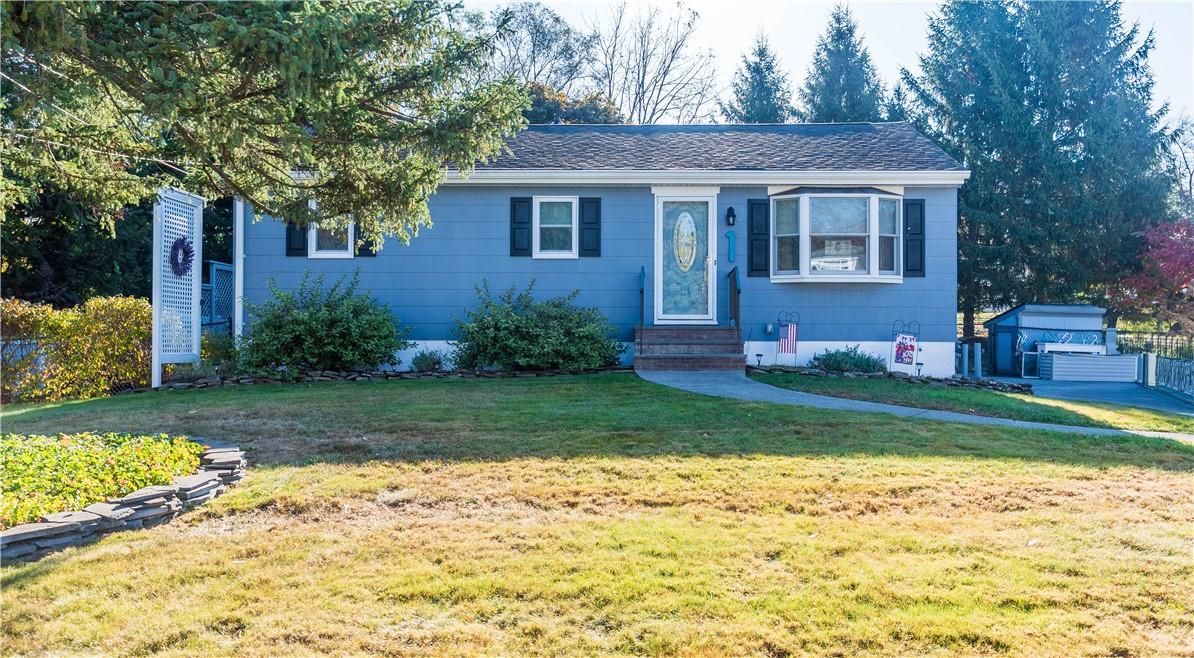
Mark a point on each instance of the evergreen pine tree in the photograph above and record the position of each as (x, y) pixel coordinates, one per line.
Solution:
(761, 92)
(1048, 104)
(842, 84)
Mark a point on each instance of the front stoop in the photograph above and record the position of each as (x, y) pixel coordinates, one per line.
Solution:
(688, 348)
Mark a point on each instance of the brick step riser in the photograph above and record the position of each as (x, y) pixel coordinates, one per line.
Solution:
(686, 334)
(690, 363)
(699, 348)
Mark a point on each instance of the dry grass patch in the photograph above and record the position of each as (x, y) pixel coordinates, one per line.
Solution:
(607, 516)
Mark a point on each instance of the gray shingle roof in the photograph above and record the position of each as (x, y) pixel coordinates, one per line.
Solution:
(770, 147)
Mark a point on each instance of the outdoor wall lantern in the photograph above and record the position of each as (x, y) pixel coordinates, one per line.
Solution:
(730, 216)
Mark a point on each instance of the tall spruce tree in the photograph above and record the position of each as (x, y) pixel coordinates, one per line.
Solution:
(1049, 105)
(761, 91)
(842, 84)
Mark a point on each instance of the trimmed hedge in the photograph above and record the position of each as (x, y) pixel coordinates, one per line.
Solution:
(95, 349)
(46, 474)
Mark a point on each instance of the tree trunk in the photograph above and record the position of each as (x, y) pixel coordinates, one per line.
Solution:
(968, 322)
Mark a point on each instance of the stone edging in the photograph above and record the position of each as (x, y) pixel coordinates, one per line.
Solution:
(219, 468)
(956, 382)
(373, 375)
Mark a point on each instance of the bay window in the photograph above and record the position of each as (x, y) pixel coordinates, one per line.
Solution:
(836, 236)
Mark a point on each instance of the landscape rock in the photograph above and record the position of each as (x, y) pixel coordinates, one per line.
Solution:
(191, 482)
(28, 531)
(110, 511)
(145, 494)
(17, 550)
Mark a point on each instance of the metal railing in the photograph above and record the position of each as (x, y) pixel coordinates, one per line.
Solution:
(642, 307)
(1170, 346)
(735, 298)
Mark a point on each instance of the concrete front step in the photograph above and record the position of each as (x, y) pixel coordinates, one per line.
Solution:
(667, 362)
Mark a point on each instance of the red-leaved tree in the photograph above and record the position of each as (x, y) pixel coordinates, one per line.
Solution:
(1164, 288)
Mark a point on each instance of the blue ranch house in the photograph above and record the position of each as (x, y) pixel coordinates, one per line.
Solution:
(697, 242)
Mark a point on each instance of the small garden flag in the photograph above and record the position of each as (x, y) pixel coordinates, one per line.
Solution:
(905, 349)
(787, 339)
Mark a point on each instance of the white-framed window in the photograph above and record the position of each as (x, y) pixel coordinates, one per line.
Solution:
(787, 236)
(889, 236)
(836, 236)
(330, 243)
(554, 227)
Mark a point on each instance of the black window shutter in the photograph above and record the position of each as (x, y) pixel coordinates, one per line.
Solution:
(590, 226)
(520, 226)
(914, 237)
(296, 240)
(759, 228)
(365, 248)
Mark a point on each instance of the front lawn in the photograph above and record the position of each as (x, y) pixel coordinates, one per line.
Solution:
(982, 402)
(605, 515)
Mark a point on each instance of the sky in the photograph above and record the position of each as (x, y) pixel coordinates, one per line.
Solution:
(894, 31)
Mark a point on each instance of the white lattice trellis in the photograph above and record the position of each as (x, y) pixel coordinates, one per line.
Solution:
(177, 229)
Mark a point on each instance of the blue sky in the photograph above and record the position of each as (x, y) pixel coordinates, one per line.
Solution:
(894, 32)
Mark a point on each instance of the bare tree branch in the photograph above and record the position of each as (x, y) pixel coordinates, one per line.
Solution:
(647, 66)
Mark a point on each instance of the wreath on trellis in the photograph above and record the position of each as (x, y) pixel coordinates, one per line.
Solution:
(181, 256)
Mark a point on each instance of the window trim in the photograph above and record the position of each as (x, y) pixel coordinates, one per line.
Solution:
(313, 241)
(897, 248)
(536, 252)
(806, 274)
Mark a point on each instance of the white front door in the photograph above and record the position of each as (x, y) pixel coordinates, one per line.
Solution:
(685, 259)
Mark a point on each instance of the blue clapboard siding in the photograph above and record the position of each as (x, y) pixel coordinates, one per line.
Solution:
(430, 281)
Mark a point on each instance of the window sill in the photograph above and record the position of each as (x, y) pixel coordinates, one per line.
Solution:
(330, 254)
(551, 256)
(837, 278)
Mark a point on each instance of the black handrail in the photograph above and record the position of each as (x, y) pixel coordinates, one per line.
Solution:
(735, 301)
(642, 305)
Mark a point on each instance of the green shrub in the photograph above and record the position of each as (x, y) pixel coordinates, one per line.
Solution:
(515, 332)
(91, 350)
(428, 361)
(46, 474)
(851, 359)
(318, 328)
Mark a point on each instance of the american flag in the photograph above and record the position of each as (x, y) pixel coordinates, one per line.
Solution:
(787, 338)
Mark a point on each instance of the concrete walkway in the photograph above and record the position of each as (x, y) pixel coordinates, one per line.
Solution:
(738, 386)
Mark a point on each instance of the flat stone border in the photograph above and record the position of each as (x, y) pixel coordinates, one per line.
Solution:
(219, 468)
(954, 382)
(372, 375)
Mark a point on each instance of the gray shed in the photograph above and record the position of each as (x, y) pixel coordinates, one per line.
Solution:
(1017, 336)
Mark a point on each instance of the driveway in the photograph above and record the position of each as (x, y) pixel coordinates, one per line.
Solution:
(738, 386)
(1125, 393)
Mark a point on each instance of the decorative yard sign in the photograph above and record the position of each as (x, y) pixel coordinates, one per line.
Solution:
(905, 345)
(177, 252)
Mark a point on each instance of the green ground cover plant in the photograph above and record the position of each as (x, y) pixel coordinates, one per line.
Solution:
(604, 515)
(56, 473)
